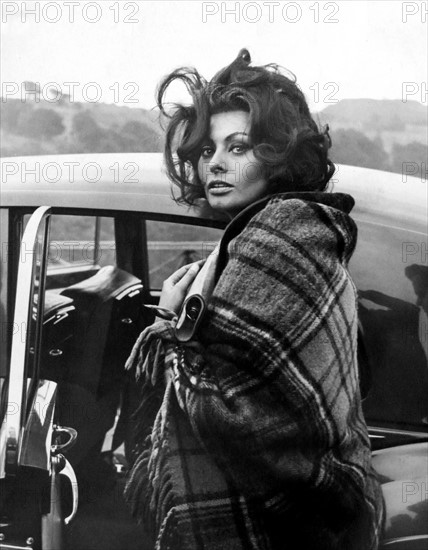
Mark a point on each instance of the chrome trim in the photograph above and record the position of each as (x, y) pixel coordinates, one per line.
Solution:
(135, 289)
(37, 438)
(72, 434)
(390, 542)
(384, 432)
(59, 316)
(5, 315)
(69, 473)
(5, 546)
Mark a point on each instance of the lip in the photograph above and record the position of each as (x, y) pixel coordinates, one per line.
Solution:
(219, 185)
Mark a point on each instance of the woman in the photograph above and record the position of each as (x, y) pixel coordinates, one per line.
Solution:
(255, 438)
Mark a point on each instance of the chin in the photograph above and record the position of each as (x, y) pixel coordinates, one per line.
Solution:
(218, 203)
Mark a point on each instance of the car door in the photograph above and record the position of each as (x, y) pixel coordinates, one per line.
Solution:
(30, 448)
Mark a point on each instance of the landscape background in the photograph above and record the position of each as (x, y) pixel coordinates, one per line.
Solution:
(380, 134)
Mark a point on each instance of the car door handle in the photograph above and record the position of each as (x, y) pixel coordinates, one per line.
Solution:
(66, 469)
(62, 447)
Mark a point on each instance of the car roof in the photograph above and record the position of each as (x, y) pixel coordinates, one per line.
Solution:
(138, 182)
(124, 182)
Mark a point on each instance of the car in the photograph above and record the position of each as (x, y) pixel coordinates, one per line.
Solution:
(87, 241)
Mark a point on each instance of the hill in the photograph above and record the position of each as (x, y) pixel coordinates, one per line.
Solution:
(374, 114)
(383, 134)
(391, 120)
(39, 126)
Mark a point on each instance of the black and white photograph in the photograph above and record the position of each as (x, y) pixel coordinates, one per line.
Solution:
(214, 275)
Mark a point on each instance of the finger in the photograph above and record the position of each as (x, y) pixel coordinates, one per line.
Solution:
(188, 277)
(177, 275)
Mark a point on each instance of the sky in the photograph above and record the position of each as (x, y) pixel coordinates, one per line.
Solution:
(118, 51)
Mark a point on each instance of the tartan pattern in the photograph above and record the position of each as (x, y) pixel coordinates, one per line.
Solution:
(270, 390)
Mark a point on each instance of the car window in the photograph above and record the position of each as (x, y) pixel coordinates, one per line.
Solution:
(78, 247)
(390, 269)
(77, 240)
(172, 245)
(81, 240)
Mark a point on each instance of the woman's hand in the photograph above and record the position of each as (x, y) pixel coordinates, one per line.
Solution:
(174, 289)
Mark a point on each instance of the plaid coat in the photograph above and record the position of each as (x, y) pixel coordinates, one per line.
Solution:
(258, 441)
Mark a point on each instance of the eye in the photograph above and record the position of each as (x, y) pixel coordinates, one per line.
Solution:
(207, 151)
(239, 148)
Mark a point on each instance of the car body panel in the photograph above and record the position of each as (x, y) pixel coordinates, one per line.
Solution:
(403, 471)
(391, 213)
(147, 190)
(381, 196)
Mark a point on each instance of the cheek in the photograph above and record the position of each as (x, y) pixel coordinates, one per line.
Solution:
(251, 173)
(202, 170)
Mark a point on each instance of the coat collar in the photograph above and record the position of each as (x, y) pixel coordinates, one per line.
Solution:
(340, 201)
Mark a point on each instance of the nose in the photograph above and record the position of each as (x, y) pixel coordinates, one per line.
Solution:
(217, 165)
(217, 168)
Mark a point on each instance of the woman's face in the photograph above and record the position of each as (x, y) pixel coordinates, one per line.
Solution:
(232, 176)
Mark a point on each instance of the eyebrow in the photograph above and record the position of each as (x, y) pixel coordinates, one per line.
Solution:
(232, 136)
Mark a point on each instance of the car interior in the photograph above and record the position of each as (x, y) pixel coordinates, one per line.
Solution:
(94, 309)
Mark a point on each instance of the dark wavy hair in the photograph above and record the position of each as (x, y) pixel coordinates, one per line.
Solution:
(285, 138)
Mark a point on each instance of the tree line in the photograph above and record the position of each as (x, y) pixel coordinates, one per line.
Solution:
(29, 130)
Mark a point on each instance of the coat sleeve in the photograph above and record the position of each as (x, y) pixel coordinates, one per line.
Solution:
(271, 385)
